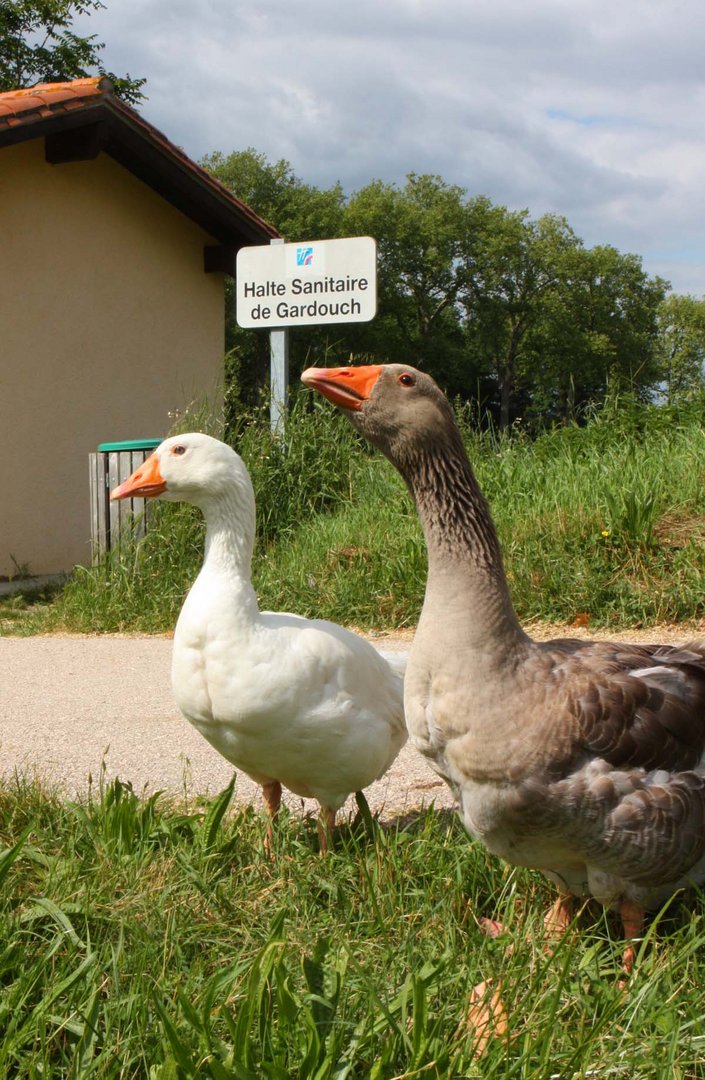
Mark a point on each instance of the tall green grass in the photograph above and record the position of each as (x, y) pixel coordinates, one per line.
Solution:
(604, 524)
(141, 938)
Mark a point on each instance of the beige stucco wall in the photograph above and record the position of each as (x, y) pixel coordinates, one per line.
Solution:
(107, 323)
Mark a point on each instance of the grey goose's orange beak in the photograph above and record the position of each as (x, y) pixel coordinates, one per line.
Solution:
(145, 482)
(346, 387)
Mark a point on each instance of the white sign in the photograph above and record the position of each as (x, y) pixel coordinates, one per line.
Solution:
(307, 284)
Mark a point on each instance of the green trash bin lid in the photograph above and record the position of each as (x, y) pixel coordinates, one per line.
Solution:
(130, 444)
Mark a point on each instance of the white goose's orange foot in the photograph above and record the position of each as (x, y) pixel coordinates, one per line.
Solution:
(486, 1018)
(272, 794)
(326, 825)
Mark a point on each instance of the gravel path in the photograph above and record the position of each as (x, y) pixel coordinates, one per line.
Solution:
(73, 705)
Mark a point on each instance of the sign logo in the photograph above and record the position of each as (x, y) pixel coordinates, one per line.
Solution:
(304, 256)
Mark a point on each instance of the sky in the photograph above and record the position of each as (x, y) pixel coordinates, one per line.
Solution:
(591, 109)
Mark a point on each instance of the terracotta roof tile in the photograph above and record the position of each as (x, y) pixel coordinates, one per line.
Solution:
(48, 98)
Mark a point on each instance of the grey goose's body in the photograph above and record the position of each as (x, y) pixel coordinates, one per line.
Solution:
(585, 760)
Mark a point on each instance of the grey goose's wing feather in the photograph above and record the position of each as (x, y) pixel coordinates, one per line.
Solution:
(624, 790)
(644, 827)
(634, 705)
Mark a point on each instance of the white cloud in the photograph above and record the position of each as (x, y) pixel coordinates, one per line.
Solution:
(585, 108)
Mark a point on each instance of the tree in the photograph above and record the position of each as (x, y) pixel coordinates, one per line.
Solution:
(298, 210)
(597, 331)
(426, 234)
(558, 323)
(37, 44)
(509, 279)
(680, 346)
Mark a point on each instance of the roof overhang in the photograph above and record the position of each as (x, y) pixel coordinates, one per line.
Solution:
(93, 120)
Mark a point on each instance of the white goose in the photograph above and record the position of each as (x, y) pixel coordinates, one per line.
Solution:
(585, 760)
(293, 702)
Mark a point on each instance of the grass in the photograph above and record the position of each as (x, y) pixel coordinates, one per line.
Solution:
(602, 524)
(142, 938)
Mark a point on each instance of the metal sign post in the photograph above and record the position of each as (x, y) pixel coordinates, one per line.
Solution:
(278, 375)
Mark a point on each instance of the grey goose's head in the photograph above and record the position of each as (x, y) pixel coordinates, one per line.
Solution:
(397, 408)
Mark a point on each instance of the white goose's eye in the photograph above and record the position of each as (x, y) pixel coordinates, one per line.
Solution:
(178, 449)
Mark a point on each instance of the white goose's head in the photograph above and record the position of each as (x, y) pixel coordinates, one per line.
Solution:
(192, 468)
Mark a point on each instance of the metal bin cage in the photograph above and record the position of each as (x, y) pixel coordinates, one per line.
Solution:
(109, 466)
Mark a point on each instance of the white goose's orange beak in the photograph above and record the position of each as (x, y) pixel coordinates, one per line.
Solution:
(145, 482)
(346, 387)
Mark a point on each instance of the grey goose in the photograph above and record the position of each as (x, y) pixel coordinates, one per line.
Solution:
(582, 759)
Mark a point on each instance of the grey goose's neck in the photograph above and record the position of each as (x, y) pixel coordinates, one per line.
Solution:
(466, 578)
(454, 513)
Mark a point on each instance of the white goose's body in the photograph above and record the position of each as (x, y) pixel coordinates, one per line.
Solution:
(291, 701)
(585, 760)
(284, 698)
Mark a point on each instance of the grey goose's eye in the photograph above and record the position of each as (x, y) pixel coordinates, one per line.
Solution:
(406, 379)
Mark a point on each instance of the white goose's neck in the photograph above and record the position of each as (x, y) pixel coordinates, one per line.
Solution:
(230, 533)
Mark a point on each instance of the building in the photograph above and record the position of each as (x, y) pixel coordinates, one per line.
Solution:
(114, 248)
